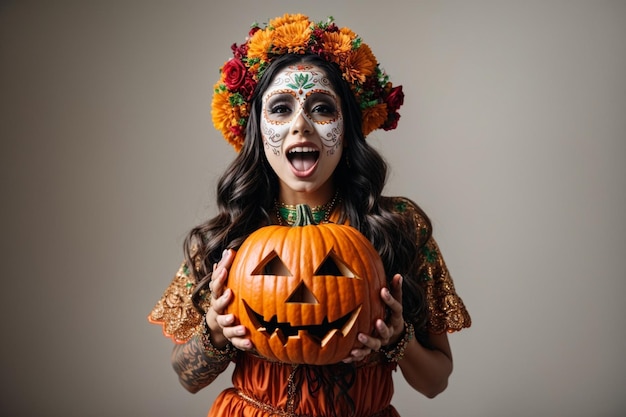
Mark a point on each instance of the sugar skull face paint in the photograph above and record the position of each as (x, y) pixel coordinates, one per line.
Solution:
(302, 128)
(301, 91)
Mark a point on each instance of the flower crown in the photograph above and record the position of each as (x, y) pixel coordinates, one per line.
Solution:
(296, 34)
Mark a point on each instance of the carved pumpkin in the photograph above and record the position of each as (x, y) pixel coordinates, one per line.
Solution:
(305, 292)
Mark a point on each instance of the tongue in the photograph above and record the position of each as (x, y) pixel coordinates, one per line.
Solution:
(303, 161)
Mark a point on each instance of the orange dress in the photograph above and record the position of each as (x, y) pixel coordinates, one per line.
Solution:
(262, 388)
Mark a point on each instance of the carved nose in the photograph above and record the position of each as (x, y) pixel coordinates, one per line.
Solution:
(302, 295)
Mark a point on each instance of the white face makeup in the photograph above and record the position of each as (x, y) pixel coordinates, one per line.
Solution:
(301, 90)
(302, 128)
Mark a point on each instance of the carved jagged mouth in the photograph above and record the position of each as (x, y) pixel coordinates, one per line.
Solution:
(320, 333)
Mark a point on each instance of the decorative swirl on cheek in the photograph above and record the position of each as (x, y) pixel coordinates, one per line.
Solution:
(272, 138)
(331, 135)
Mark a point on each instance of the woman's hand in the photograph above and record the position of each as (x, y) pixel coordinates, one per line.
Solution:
(385, 332)
(223, 326)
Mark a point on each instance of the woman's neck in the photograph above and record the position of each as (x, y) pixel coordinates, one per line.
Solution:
(319, 197)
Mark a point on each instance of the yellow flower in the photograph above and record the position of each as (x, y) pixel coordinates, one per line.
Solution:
(359, 64)
(287, 19)
(260, 44)
(292, 38)
(374, 117)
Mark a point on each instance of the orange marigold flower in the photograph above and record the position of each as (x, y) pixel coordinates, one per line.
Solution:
(347, 32)
(359, 64)
(260, 44)
(291, 38)
(236, 137)
(221, 110)
(339, 43)
(224, 115)
(226, 118)
(374, 117)
(288, 19)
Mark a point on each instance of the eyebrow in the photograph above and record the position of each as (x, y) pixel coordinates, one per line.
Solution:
(325, 93)
(282, 91)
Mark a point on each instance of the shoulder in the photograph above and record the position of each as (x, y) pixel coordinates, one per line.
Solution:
(411, 214)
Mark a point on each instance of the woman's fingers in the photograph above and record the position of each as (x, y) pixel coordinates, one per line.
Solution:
(235, 333)
(390, 330)
(385, 332)
(237, 336)
(220, 274)
(393, 297)
(219, 304)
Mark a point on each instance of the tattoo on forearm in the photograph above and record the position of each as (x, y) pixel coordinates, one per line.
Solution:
(195, 370)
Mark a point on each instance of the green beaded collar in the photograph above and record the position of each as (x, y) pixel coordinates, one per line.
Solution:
(286, 213)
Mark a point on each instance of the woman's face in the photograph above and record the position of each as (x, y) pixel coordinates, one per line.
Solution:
(302, 129)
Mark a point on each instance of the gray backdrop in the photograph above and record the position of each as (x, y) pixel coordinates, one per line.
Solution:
(512, 138)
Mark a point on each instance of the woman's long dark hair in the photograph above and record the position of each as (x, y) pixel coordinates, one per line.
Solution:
(246, 192)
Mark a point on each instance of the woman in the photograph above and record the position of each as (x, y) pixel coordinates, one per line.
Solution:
(297, 100)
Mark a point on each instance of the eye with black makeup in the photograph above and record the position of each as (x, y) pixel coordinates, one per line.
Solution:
(280, 104)
(321, 105)
(280, 109)
(324, 109)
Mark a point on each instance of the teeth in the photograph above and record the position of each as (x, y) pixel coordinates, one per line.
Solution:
(300, 149)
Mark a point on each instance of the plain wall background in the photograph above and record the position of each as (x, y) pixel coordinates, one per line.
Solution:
(512, 138)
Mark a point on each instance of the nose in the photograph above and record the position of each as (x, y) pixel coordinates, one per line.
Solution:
(301, 125)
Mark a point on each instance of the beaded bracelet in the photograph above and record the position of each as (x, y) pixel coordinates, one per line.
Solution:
(225, 354)
(395, 353)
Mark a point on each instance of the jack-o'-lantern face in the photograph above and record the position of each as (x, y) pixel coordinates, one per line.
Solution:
(305, 292)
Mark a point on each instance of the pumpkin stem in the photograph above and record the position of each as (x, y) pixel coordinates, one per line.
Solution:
(304, 216)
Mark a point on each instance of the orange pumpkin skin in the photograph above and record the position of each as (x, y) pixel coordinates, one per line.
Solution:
(295, 312)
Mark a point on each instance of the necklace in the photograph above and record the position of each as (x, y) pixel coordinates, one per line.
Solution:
(286, 213)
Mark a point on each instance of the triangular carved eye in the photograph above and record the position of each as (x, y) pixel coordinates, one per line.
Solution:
(334, 266)
(272, 265)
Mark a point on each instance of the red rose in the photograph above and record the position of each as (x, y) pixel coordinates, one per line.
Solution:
(235, 74)
(395, 99)
(247, 87)
(392, 121)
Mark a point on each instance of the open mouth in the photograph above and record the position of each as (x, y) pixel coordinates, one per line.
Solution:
(321, 333)
(303, 158)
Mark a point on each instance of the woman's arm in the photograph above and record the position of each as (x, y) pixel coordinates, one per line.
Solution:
(427, 370)
(194, 367)
(208, 353)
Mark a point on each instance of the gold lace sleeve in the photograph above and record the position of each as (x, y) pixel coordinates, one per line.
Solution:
(175, 311)
(447, 312)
